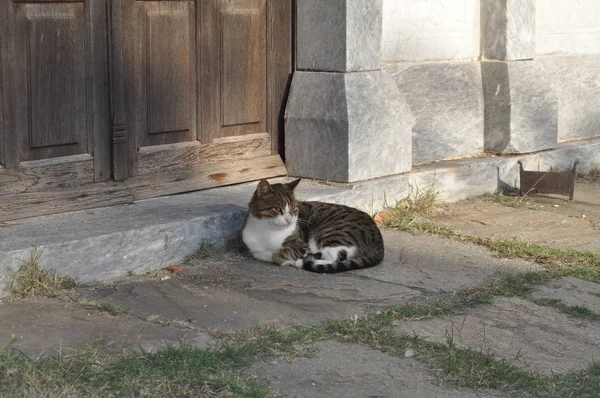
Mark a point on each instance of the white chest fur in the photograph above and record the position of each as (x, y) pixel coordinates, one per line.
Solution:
(263, 238)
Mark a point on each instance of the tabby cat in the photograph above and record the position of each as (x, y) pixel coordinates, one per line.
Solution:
(315, 236)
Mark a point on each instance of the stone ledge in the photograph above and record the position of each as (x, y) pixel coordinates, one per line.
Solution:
(103, 244)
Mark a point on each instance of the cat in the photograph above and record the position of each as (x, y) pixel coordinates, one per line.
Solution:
(314, 236)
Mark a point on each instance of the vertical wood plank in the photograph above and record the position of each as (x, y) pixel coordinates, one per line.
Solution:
(280, 66)
(169, 101)
(56, 64)
(99, 83)
(11, 141)
(3, 78)
(118, 115)
(130, 74)
(243, 61)
(210, 34)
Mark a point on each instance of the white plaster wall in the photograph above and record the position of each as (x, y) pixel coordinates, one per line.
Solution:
(567, 27)
(423, 30)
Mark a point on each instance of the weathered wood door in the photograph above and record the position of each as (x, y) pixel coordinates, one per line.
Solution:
(204, 83)
(108, 101)
(54, 142)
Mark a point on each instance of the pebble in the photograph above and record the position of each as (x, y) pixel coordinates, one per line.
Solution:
(409, 353)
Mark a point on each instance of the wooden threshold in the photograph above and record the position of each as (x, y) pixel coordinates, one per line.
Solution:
(40, 203)
(205, 176)
(51, 193)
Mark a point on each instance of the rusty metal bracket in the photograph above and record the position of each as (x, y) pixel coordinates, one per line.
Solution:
(546, 182)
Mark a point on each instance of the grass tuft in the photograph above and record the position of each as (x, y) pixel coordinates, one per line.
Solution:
(559, 262)
(577, 311)
(30, 280)
(508, 285)
(160, 320)
(177, 371)
(204, 252)
(103, 306)
(184, 371)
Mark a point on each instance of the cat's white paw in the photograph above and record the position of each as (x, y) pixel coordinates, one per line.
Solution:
(294, 263)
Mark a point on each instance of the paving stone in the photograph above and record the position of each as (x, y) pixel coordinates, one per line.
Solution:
(353, 371)
(238, 292)
(571, 291)
(539, 222)
(46, 326)
(530, 336)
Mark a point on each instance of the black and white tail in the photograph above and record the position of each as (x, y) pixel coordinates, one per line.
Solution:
(314, 262)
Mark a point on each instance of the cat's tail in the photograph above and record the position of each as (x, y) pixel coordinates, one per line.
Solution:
(313, 263)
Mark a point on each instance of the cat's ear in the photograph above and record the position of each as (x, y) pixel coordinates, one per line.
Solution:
(292, 185)
(264, 188)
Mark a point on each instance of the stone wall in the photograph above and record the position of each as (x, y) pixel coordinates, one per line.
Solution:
(427, 30)
(507, 76)
(471, 76)
(567, 27)
(446, 98)
(567, 40)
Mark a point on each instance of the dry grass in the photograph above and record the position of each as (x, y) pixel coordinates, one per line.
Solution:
(102, 306)
(31, 280)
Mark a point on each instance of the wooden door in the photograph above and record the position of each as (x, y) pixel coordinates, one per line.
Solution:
(54, 108)
(205, 84)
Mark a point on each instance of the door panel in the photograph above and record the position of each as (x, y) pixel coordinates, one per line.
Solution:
(55, 121)
(51, 119)
(170, 73)
(162, 82)
(234, 76)
(243, 83)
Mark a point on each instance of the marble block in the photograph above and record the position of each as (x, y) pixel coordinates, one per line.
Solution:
(339, 35)
(578, 90)
(508, 29)
(446, 99)
(521, 107)
(347, 126)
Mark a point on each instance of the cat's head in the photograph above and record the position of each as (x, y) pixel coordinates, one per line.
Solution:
(275, 203)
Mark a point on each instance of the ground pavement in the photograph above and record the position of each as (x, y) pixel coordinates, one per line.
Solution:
(228, 291)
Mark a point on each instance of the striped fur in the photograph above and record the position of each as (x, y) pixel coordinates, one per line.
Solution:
(315, 236)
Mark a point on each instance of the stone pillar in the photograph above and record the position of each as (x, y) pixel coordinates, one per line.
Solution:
(521, 106)
(346, 119)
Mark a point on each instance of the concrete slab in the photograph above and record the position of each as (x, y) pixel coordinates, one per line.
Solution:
(547, 220)
(46, 326)
(571, 291)
(534, 337)
(353, 370)
(237, 292)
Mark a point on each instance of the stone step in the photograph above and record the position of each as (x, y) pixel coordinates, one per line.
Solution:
(103, 244)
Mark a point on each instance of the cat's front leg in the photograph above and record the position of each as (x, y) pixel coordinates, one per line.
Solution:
(289, 256)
